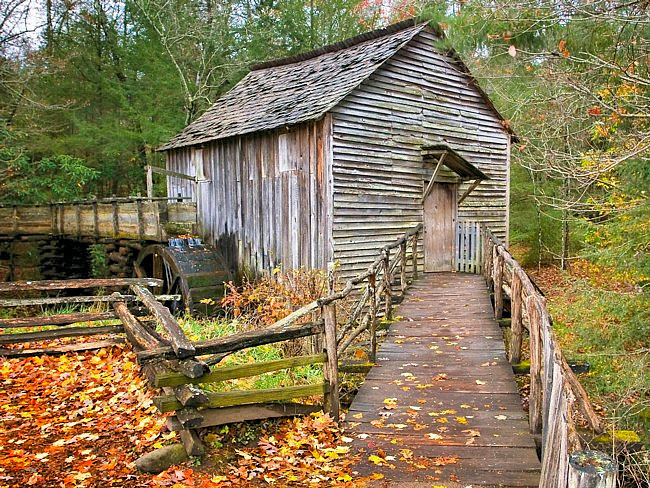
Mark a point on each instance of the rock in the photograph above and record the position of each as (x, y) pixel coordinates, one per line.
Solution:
(161, 459)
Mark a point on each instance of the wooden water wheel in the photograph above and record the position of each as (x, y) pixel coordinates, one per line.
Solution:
(187, 267)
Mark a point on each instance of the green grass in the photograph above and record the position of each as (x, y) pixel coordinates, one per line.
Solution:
(211, 328)
(49, 311)
(611, 331)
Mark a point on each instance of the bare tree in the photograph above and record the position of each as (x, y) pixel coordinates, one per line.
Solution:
(195, 37)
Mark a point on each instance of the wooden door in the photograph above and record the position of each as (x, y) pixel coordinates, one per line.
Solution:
(439, 227)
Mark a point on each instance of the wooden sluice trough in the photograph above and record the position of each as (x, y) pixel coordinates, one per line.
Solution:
(144, 219)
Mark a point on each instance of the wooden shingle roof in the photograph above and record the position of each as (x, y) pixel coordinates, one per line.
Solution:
(297, 89)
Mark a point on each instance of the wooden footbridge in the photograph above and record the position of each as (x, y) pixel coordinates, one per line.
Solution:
(442, 403)
(439, 406)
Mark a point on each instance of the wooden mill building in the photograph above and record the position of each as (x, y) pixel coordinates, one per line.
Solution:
(329, 155)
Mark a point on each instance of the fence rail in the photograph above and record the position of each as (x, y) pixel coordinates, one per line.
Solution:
(554, 388)
(84, 324)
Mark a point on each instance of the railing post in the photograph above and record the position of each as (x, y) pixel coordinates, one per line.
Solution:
(489, 262)
(402, 269)
(149, 182)
(415, 256)
(372, 326)
(535, 396)
(388, 292)
(331, 369)
(331, 366)
(591, 469)
(516, 322)
(498, 285)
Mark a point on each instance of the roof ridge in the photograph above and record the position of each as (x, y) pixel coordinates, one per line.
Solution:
(345, 44)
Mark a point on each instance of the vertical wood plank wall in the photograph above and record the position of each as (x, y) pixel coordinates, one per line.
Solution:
(264, 198)
(418, 97)
(179, 162)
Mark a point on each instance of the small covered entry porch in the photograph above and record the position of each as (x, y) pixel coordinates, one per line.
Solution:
(450, 244)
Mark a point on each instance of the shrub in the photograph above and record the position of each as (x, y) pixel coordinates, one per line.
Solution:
(264, 302)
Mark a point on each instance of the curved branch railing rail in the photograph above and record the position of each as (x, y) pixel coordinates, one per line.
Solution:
(375, 287)
(378, 280)
(554, 388)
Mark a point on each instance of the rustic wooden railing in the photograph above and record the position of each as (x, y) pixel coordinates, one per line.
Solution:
(384, 278)
(375, 288)
(554, 388)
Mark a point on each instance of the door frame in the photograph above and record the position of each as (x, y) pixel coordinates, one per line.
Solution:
(427, 225)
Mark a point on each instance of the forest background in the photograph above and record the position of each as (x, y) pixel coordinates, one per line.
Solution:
(90, 88)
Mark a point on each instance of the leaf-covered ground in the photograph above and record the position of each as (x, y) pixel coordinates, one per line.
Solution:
(81, 420)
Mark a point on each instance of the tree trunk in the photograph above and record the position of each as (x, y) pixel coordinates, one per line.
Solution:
(591, 469)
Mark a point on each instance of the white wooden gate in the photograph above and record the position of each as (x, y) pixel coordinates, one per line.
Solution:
(468, 247)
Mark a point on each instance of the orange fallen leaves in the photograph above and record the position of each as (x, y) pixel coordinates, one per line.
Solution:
(304, 451)
(75, 420)
(81, 421)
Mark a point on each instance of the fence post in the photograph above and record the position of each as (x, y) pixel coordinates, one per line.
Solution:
(331, 368)
(415, 256)
(149, 182)
(477, 248)
(372, 295)
(591, 469)
(402, 267)
(484, 253)
(489, 262)
(388, 292)
(516, 322)
(535, 397)
(498, 285)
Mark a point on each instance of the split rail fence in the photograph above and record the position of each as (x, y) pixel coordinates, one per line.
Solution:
(92, 321)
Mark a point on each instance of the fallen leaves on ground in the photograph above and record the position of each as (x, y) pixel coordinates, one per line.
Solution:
(305, 451)
(81, 421)
(75, 420)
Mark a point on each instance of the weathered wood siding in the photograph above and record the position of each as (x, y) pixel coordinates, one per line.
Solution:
(417, 97)
(179, 161)
(263, 200)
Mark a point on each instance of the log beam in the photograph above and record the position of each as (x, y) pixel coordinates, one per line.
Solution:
(181, 345)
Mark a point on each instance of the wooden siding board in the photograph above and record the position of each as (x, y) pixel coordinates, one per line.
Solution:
(259, 216)
(417, 97)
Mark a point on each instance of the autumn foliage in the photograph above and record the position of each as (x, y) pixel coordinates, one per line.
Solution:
(75, 420)
(81, 420)
(273, 297)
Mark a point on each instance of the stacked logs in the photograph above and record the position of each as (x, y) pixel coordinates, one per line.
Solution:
(121, 255)
(59, 258)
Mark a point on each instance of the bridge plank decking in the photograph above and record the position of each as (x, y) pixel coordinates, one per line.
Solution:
(442, 406)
